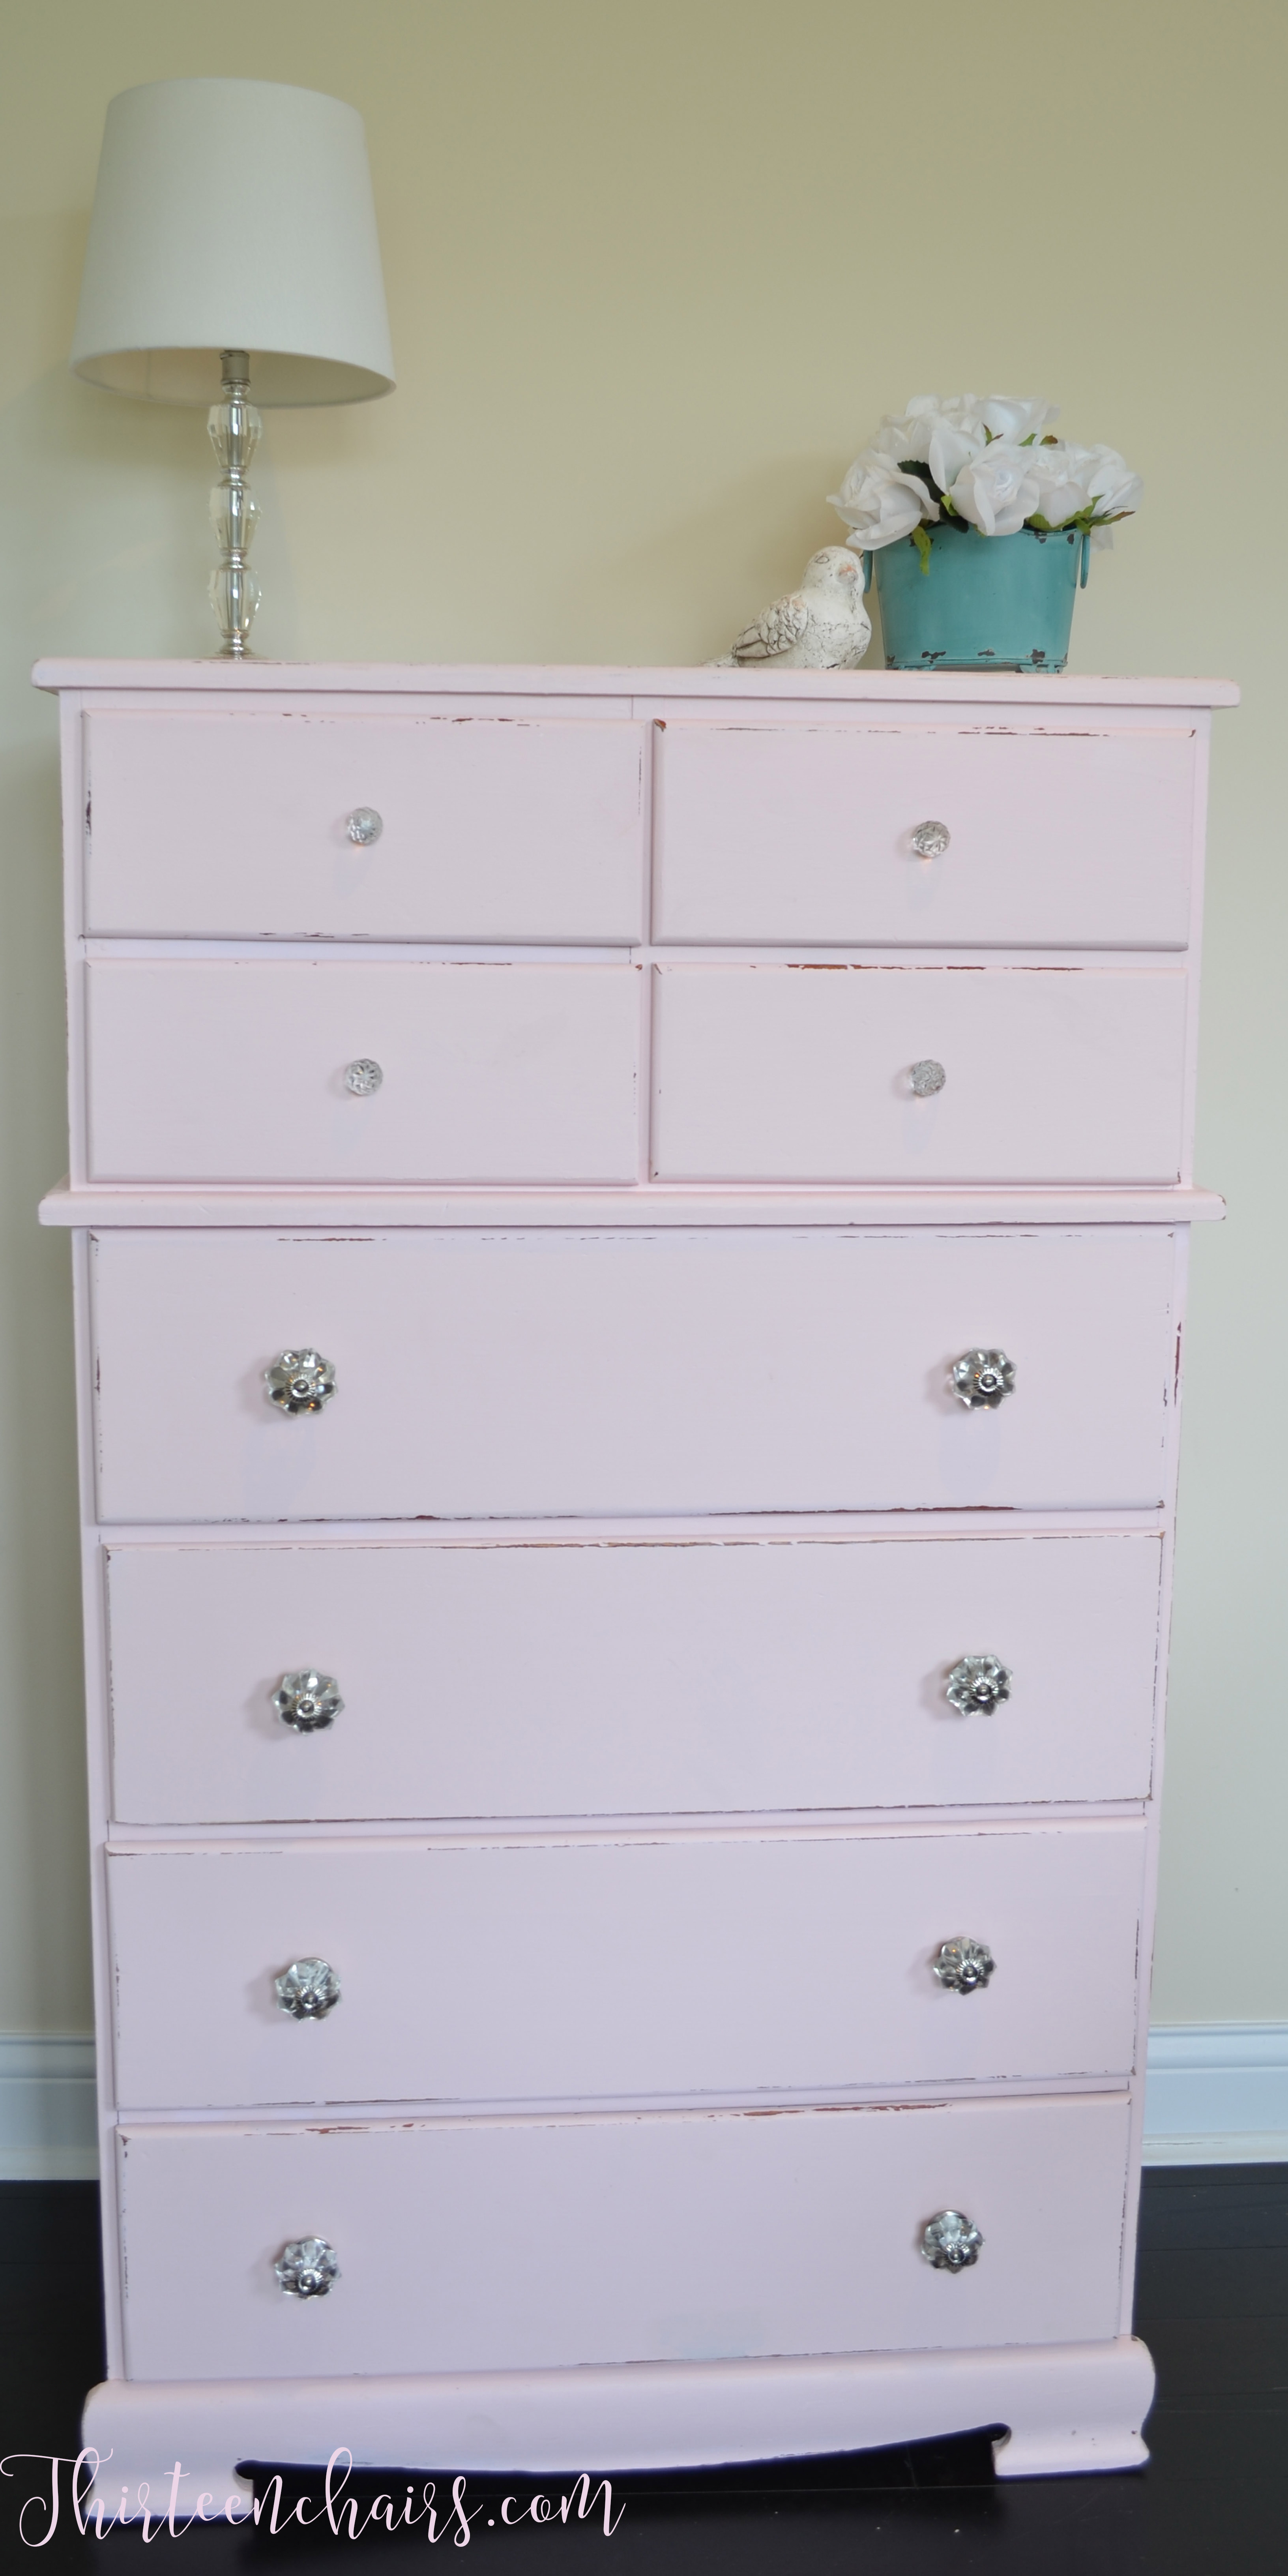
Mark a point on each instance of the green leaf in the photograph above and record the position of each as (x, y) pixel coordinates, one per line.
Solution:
(921, 540)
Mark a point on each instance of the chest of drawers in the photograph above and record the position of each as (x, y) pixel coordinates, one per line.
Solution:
(630, 1236)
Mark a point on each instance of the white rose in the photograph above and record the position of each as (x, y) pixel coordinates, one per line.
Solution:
(906, 435)
(963, 409)
(880, 504)
(951, 445)
(1016, 417)
(943, 435)
(1110, 482)
(998, 490)
(898, 438)
(1060, 475)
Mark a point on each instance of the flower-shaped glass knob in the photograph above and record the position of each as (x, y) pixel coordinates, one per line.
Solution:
(364, 826)
(363, 1076)
(962, 1965)
(982, 1377)
(309, 1989)
(951, 2241)
(307, 2267)
(978, 1684)
(926, 1076)
(307, 1701)
(300, 1381)
(930, 840)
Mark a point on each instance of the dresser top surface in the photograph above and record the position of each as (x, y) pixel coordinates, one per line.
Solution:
(1037, 691)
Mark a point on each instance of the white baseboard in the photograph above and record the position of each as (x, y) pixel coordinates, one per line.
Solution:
(48, 2111)
(1217, 2094)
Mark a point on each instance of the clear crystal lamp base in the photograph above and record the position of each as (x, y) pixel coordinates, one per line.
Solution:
(234, 426)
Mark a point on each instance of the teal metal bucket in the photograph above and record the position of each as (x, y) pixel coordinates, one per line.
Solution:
(995, 603)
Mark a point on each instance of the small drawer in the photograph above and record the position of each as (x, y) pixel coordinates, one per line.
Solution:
(665, 1676)
(510, 1375)
(237, 825)
(804, 832)
(654, 1969)
(543, 2244)
(806, 1073)
(261, 1069)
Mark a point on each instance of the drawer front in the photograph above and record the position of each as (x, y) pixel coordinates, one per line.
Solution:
(1061, 840)
(804, 1074)
(528, 2245)
(544, 1373)
(663, 1677)
(579, 1972)
(220, 1071)
(235, 826)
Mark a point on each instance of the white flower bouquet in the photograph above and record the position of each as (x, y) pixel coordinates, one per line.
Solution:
(990, 462)
(938, 485)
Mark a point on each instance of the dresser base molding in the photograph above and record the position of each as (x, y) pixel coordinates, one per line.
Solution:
(1069, 2408)
(112, 1204)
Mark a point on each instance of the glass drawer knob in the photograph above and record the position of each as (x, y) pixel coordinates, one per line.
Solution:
(307, 1701)
(963, 1966)
(951, 2241)
(926, 1076)
(300, 1381)
(364, 826)
(977, 1685)
(309, 1989)
(307, 2267)
(982, 1377)
(930, 840)
(363, 1076)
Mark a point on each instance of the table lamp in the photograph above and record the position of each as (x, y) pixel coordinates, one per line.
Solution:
(233, 250)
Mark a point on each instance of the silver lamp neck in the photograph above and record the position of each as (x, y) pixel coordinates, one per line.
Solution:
(234, 433)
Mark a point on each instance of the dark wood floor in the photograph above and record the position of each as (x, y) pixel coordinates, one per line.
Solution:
(1212, 2304)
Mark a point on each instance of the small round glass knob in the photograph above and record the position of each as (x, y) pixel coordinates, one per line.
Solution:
(307, 2267)
(977, 1685)
(309, 1989)
(300, 1381)
(364, 826)
(982, 1377)
(926, 1076)
(363, 1076)
(307, 1701)
(930, 840)
(963, 1966)
(951, 2241)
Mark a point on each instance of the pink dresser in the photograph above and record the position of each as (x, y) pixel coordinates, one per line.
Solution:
(630, 1236)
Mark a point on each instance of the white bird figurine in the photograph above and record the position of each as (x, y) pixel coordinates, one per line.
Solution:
(823, 626)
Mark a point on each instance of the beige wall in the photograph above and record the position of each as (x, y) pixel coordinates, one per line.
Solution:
(655, 269)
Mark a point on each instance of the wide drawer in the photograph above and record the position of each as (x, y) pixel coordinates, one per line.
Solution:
(215, 1070)
(804, 1073)
(637, 1970)
(543, 1372)
(529, 2244)
(656, 1677)
(1058, 839)
(235, 824)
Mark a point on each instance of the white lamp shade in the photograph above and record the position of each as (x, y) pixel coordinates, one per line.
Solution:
(233, 214)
